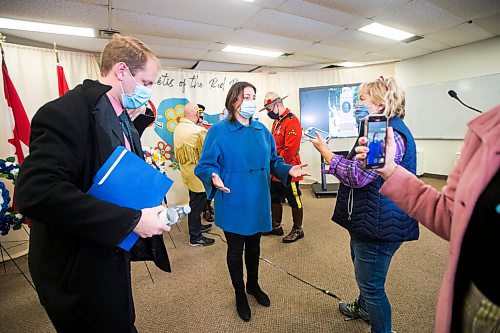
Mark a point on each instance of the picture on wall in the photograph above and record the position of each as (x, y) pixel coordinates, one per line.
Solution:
(330, 108)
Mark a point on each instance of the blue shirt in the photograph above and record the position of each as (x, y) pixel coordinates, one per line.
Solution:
(243, 157)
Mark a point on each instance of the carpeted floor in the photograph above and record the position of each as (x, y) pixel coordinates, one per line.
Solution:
(198, 297)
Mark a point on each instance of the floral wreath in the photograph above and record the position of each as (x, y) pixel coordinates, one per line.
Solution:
(9, 217)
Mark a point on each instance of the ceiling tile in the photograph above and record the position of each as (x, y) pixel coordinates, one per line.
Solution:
(230, 57)
(169, 51)
(430, 44)
(358, 40)
(403, 51)
(331, 53)
(467, 9)
(306, 58)
(287, 62)
(223, 67)
(56, 12)
(366, 8)
(126, 22)
(94, 2)
(171, 41)
(255, 39)
(490, 24)
(269, 3)
(283, 24)
(63, 41)
(318, 13)
(233, 15)
(419, 17)
(372, 57)
(460, 35)
(177, 63)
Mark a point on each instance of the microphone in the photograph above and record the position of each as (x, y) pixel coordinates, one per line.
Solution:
(454, 95)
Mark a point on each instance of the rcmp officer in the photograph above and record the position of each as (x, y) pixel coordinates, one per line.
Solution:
(287, 133)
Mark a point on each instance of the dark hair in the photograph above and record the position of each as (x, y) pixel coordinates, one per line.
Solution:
(233, 95)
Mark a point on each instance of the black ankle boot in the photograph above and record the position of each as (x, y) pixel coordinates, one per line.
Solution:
(242, 306)
(259, 295)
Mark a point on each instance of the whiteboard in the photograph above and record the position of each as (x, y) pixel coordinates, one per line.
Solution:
(432, 114)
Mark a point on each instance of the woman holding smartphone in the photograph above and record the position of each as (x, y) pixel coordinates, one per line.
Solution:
(236, 163)
(376, 225)
(465, 213)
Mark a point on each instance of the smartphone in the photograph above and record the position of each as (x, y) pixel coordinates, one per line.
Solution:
(311, 132)
(376, 132)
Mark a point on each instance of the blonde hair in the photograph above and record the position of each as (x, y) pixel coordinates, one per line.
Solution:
(126, 49)
(389, 93)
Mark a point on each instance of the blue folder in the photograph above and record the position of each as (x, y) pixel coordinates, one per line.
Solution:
(128, 181)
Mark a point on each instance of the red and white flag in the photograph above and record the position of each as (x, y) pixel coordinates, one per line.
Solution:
(61, 81)
(19, 122)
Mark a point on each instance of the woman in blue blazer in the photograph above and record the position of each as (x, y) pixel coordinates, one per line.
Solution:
(238, 156)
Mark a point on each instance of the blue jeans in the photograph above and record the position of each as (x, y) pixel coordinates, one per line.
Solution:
(371, 261)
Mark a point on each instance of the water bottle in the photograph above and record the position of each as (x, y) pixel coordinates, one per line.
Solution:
(174, 214)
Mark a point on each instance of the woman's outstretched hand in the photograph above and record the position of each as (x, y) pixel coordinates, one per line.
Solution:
(297, 171)
(219, 184)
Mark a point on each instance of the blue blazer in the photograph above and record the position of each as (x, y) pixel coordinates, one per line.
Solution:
(244, 157)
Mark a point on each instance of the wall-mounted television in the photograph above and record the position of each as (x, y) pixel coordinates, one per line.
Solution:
(330, 108)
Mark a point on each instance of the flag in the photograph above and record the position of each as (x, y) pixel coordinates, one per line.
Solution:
(21, 125)
(61, 81)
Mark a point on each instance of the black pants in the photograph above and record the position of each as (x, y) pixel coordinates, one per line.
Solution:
(235, 245)
(197, 201)
(292, 193)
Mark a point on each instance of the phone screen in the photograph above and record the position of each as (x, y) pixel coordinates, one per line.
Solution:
(311, 132)
(375, 131)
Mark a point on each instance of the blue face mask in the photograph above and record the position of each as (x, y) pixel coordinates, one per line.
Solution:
(248, 108)
(360, 112)
(139, 97)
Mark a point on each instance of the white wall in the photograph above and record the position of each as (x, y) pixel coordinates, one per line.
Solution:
(472, 60)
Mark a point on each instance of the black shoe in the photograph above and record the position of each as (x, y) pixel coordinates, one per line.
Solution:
(242, 306)
(208, 216)
(276, 231)
(294, 235)
(203, 241)
(259, 295)
(206, 227)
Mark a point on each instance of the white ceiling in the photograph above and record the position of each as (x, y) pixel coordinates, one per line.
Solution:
(313, 33)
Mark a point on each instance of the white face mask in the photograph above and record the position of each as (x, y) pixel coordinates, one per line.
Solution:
(247, 109)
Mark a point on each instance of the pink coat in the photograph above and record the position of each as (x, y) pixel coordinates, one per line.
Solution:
(447, 213)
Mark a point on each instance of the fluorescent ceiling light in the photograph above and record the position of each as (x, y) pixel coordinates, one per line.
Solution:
(349, 64)
(6, 23)
(246, 50)
(249, 0)
(385, 31)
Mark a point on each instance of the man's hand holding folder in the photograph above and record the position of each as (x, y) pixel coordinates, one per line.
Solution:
(149, 224)
(128, 181)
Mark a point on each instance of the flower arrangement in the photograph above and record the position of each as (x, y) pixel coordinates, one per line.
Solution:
(9, 217)
(156, 157)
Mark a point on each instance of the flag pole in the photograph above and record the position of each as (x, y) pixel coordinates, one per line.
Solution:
(2, 40)
(57, 53)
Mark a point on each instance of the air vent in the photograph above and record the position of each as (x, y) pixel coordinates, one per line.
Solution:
(107, 33)
(331, 66)
(412, 39)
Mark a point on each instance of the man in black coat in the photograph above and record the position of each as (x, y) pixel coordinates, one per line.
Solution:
(81, 276)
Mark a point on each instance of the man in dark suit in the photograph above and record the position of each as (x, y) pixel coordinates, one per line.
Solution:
(82, 277)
